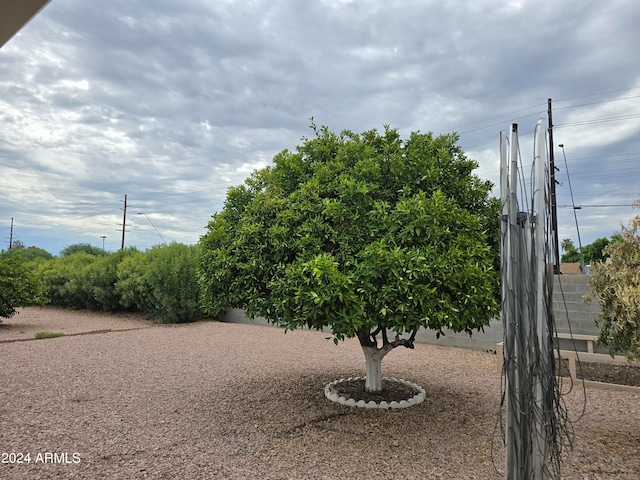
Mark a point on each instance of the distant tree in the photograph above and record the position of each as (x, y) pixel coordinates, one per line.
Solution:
(82, 247)
(617, 237)
(591, 253)
(366, 234)
(570, 256)
(16, 245)
(567, 245)
(595, 252)
(30, 254)
(615, 284)
(18, 286)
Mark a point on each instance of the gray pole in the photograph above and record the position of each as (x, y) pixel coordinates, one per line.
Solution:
(510, 308)
(554, 209)
(124, 221)
(573, 204)
(540, 351)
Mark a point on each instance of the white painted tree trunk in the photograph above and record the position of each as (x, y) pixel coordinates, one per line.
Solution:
(373, 357)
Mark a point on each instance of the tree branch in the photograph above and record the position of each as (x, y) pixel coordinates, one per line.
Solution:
(385, 340)
(373, 336)
(408, 343)
(368, 339)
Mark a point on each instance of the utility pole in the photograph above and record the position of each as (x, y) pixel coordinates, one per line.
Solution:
(554, 208)
(11, 235)
(124, 221)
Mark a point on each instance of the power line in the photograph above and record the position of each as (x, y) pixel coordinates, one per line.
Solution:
(597, 103)
(502, 123)
(97, 214)
(599, 120)
(598, 171)
(509, 120)
(596, 206)
(631, 158)
(502, 115)
(597, 94)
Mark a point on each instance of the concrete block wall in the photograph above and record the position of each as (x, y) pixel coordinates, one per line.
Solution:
(571, 313)
(484, 340)
(570, 310)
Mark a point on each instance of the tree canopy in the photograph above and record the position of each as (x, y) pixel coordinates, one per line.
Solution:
(591, 253)
(82, 247)
(616, 285)
(361, 233)
(567, 244)
(29, 254)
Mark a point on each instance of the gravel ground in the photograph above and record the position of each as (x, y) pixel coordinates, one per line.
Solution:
(214, 401)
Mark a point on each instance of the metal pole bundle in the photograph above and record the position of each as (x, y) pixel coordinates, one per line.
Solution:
(527, 281)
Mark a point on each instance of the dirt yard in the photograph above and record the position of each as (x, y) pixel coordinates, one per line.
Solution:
(120, 397)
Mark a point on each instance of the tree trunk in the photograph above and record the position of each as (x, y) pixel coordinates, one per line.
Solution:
(373, 357)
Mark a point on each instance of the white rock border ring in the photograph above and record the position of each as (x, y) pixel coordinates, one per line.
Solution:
(350, 402)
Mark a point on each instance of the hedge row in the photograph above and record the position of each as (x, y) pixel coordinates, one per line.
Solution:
(162, 282)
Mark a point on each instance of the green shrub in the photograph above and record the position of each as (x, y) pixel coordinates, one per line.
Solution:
(98, 282)
(162, 283)
(64, 280)
(18, 286)
(131, 284)
(82, 280)
(615, 284)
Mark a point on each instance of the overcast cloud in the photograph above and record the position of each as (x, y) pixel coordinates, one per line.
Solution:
(172, 102)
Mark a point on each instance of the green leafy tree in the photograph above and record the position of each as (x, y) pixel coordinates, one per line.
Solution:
(596, 251)
(617, 237)
(82, 247)
(18, 286)
(367, 234)
(615, 284)
(571, 256)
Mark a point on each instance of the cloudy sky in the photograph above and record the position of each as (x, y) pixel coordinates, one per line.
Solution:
(170, 103)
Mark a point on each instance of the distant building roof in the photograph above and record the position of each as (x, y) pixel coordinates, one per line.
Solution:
(573, 268)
